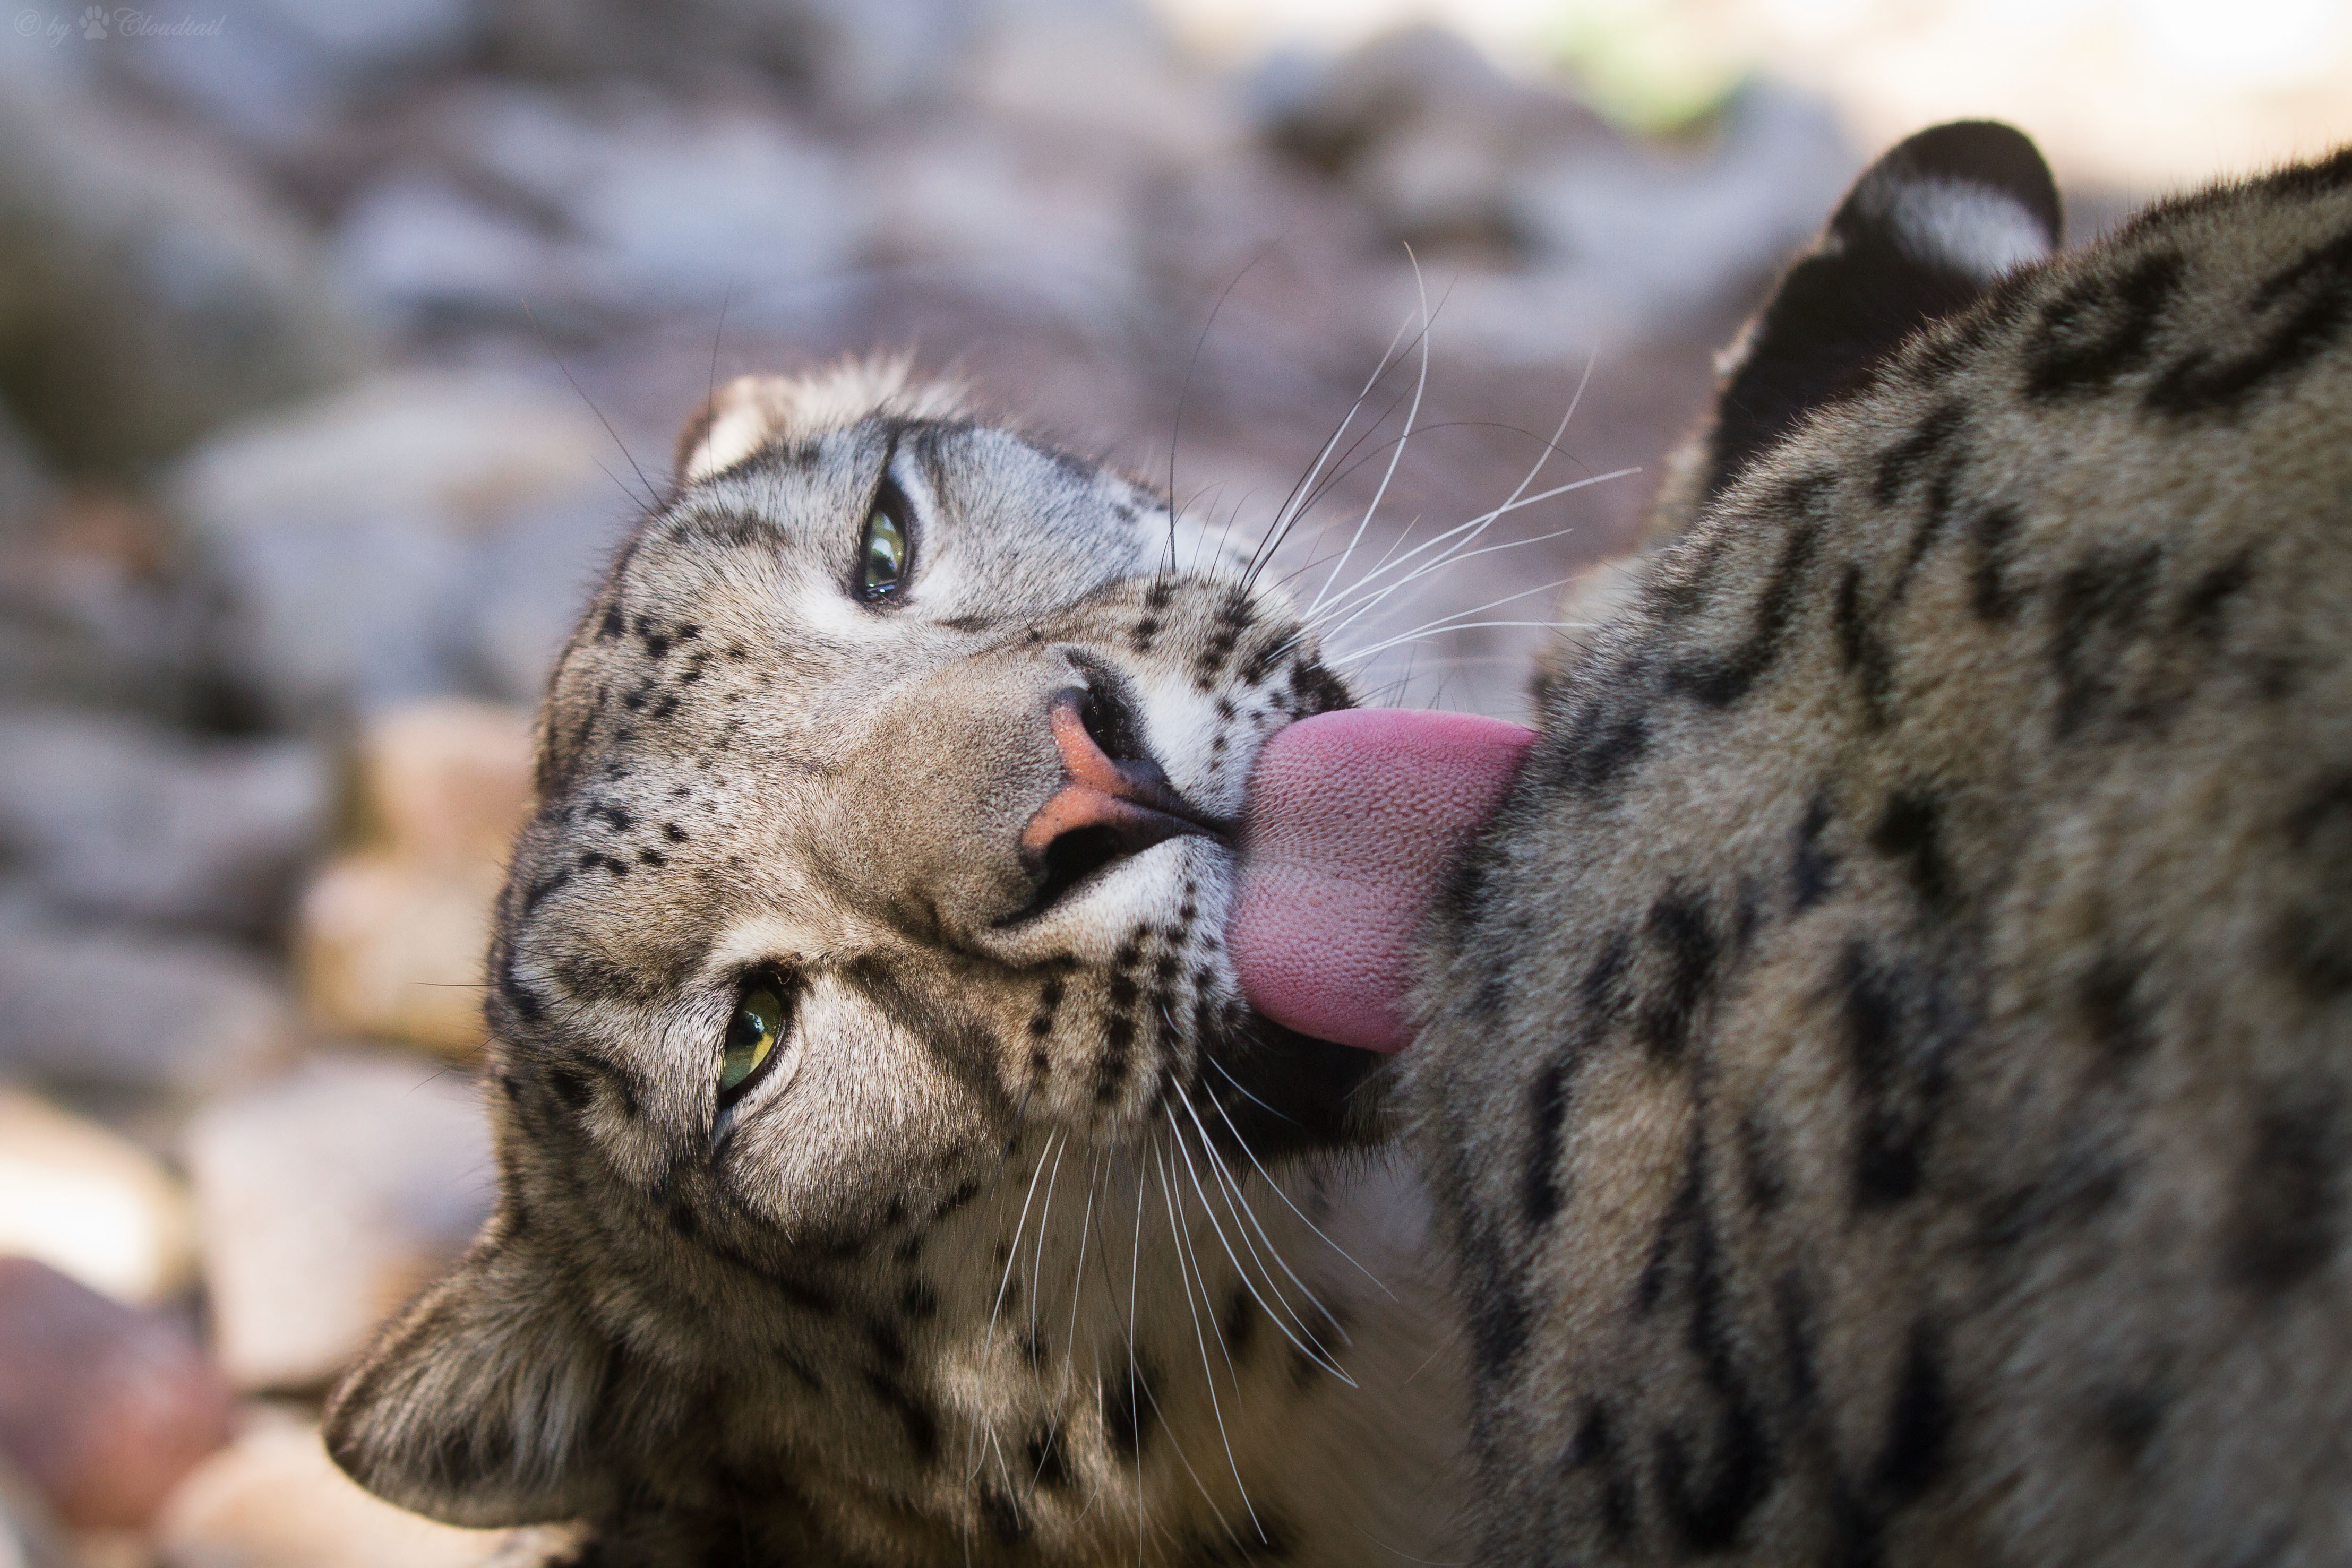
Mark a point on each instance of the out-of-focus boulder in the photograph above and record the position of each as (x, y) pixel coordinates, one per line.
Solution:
(1100, 67)
(102, 1408)
(549, 210)
(273, 1499)
(28, 1532)
(855, 55)
(91, 611)
(27, 488)
(389, 937)
(667, 208)
(436, 258)
(445, 782)
(118, 816)
(1644, 241)
(290, 66)
(149, 288)
(345, 539)
(394, 948)
(1028, 214)
(113, 1007)
(1423, 128)
(327, 1197)
(1578, 238)
(87, 1203)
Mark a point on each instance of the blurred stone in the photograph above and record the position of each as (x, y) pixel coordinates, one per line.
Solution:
(102, 1408)
(110, 1008)
(293, 65)
(390, 939)
(445, 780)
(273, 1499)
(667, 208)
(327, 1197)
(1426, 131)
(91, 610)
(28, 1534)
(435, 256)
(1103, 67)
(389, 948)
(118, 816)
(149, 289)
(345, 539)
(114, 1548)
(536, 576)
(1024, 214)
(859, 54)
(1635, 241)
(84, 1202)
(27, 488)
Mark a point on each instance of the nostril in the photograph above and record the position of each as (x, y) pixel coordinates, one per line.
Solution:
(1114, 801)
(1099, 730)
(1110, 724)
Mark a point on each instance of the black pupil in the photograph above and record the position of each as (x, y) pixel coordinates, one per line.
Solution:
(886, 550)
(747, 1028)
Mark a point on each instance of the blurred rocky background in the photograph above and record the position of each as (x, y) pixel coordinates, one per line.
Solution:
(339, 341)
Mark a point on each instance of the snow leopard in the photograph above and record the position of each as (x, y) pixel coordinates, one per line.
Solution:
(891, 1171)
(1878, 1079)
(1884, 1070)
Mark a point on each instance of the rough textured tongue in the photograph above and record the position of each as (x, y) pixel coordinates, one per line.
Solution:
(1353, 820)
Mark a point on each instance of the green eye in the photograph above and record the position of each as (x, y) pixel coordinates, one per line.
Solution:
(882, 554)
(751, 1037)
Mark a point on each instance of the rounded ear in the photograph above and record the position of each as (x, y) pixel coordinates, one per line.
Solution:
(746, 414)
(751, 413)
(1925, 231)
(478, 1405)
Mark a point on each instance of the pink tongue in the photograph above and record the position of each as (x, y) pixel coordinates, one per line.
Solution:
(1353, 820)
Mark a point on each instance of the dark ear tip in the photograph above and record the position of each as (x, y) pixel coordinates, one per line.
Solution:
(1987, 152)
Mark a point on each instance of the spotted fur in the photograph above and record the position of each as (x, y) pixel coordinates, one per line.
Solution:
(1039, 1246)
(1887, 1070)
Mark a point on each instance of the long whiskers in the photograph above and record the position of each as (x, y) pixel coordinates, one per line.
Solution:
(1259, 1166)
(1216, 1407)
(1396, 455)
(1311, 1352)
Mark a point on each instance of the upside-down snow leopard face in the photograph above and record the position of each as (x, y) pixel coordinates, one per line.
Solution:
(882, 805)
(882, 843)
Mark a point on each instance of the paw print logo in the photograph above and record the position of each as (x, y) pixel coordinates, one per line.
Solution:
(93, 21)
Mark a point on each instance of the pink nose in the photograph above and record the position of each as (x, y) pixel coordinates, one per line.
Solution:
(1122, 806)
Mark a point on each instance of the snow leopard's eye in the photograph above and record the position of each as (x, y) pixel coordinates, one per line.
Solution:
(753, 1035)
(883, 553)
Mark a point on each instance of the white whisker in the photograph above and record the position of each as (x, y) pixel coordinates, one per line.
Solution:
(1396, 454)
(1217, 1407)
(1302, 494)
(1257, 1165)
(1355, 609)
(1277, 1318)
